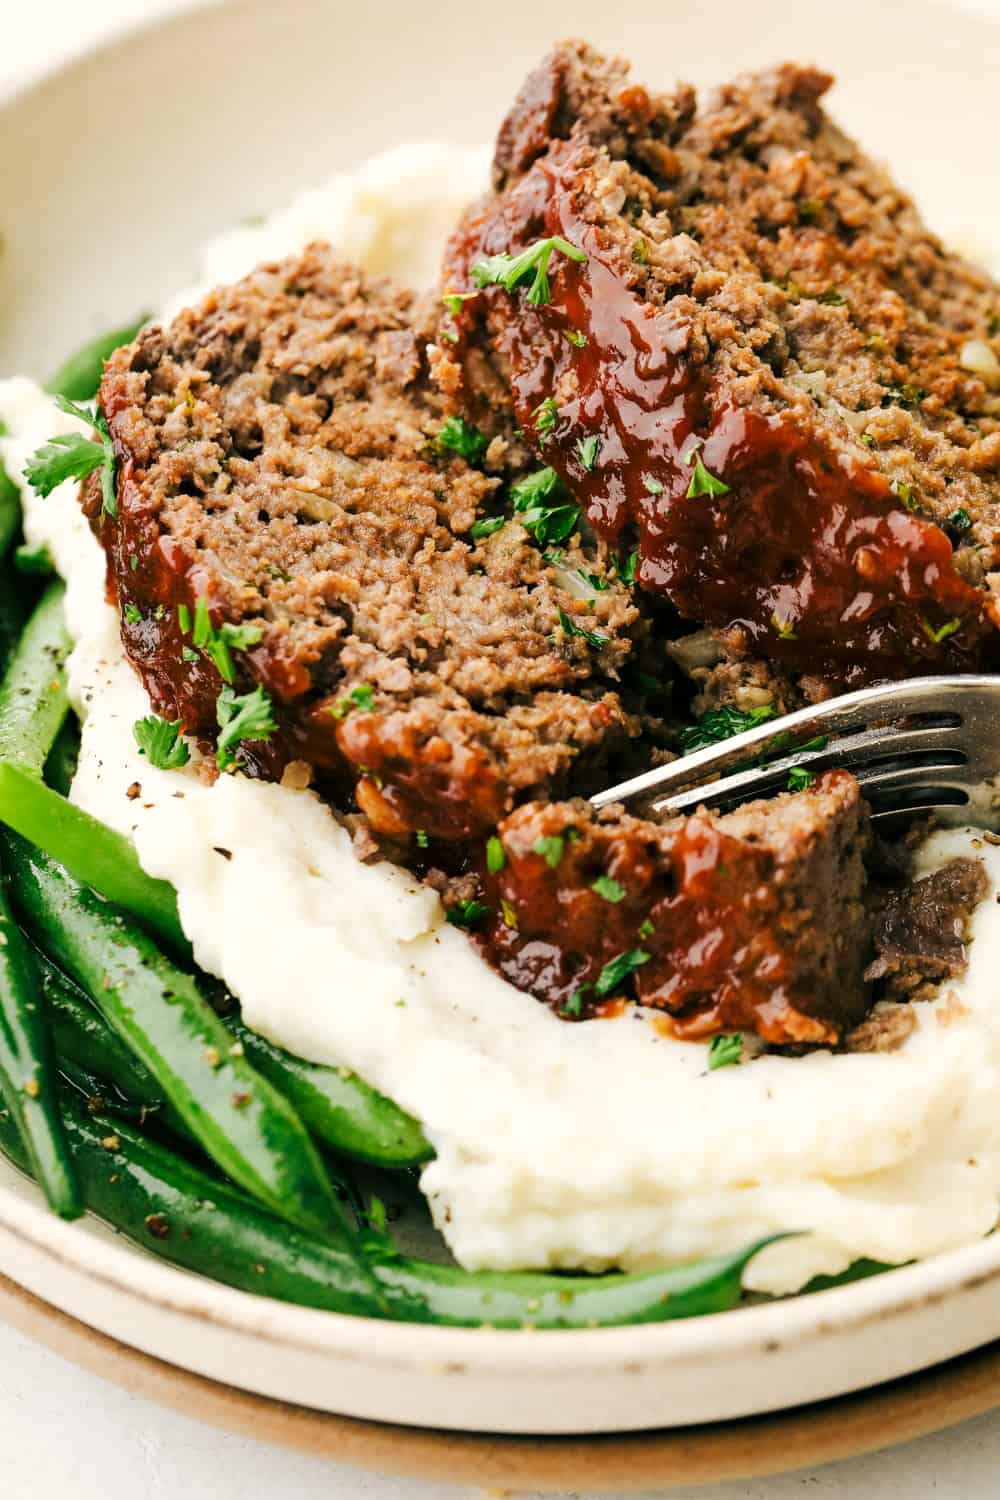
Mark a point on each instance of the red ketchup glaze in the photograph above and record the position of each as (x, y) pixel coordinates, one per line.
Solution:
(809, 553)
(722, 938)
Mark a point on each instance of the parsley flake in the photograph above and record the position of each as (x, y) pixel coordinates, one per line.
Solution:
(576, 338)
(959, 521)
(832, 298)
(508, 913)
(724, 1051)
(248, 717)
(160, 741)
(942, 632)
(467, 913)
(609, 889)
(647, 929)
(487, 527)
(785, 628)
(574, 1005)
(496, 855)
(422, 839)
(362, 695)
(34, 561)
(545, 507)
(509, 271)
(614, 974)
(702, 481)
(73, 456)
(551, 848)
(721, 724)
(459, 436)
(587, 450)
(904, 493)
(219, 644)
(651, 486)
(799, 778)
(903, 395)
(595, 640)
(545, 417)
(453, 301)
(133, 614)
(627, 566)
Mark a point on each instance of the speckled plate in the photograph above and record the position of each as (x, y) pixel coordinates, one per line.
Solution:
(184, 128)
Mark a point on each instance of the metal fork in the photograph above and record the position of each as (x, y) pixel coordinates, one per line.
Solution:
(929, 745)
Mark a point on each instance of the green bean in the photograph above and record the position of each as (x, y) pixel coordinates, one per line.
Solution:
(338, 1107)
(28, 1072)
(10, 511)
(78, 379)
(13, 612)
(238, 1118)
(33, 702)
(90, 851)
(86, 1045)
(60, 768)
(177, 1211)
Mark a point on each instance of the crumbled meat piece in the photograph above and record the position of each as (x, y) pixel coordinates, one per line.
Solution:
(884, 1030)
(922, 931)
(753, 920)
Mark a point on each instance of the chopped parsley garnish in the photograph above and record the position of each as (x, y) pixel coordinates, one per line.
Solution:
(508, 914)
(904, 493)
(160, 741)
(73, 456)
(248, 717)
(576, 338)
(509, 271)
(533, 500)
(133, 614)
(551, 847)
(587, 450)
(942, 632)
(184, 619)
(545, 416)
(615, 973)
(724, 1051)
(219, 644)
(362, 695)
(422, 839)
(626, 567)
(595, 640)
(453, 301)
(189, 654)
(459, 436)
(903, 395)
(721, 724)
(808, 210)
(574, 1005)
(496, 855)
(785, 628)
(489, 526)
(868, 439)
(609, 889)
(652, 486)
(959, 521)
(467, 913)
(35, 561)
(594, 580)
(832, 298)
(702, 482)
(647, 929)
(799, 778)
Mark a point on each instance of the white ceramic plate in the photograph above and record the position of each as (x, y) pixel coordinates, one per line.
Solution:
(112, 172)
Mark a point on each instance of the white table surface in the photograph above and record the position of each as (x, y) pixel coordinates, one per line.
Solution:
(68, 1434)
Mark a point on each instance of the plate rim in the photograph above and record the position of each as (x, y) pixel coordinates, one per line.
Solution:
(789, 1321)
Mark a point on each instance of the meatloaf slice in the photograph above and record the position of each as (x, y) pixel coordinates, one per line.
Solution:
(294, 515)
(754, 358)
(753, 920)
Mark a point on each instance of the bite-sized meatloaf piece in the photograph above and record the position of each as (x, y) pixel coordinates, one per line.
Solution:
(294, 514)
(922, 931)
(732, 336)
(753, 920)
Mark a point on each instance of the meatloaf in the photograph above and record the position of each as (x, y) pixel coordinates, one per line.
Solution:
(295, 515)
(754, 920)
(754, 360)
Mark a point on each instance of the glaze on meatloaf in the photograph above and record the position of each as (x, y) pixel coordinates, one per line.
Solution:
(287, 487)
(762, 367)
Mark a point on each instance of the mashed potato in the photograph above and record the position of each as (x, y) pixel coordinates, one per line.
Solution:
(594, 1145)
